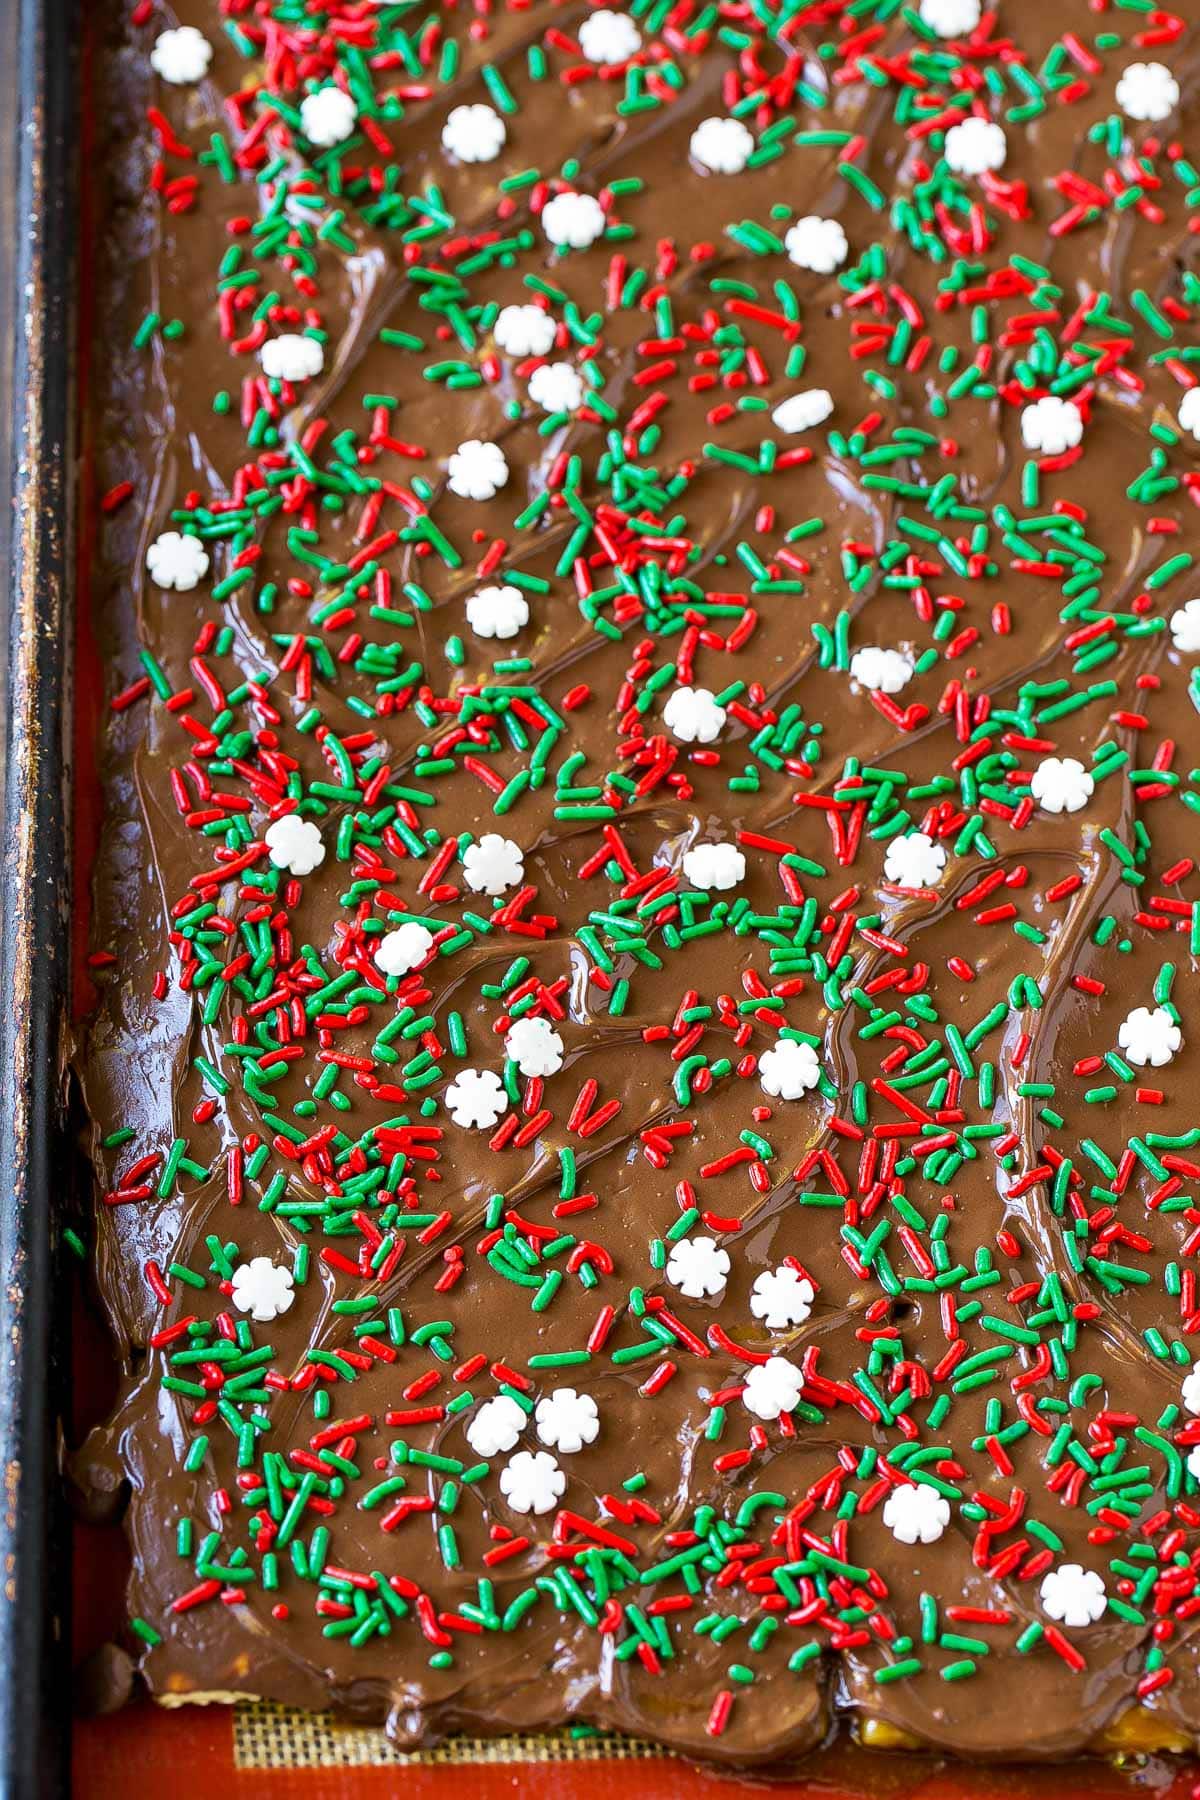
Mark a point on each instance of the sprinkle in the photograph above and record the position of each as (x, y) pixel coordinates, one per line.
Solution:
(474, 134)
(176, 560)
(816, 243)
(181, 56)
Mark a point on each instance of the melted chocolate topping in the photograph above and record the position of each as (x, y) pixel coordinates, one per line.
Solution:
(945, 1240)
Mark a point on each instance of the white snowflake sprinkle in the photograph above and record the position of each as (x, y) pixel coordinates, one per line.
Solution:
(556, 388)
(718, 866)
(295, 844)
(182, 56)
(1189, 411)
(1193, 1463)
(474, 134)
(493, 864)
(524, 331)
(532, 1482)
(328, 116)
(883, 671)
(976, 147)
(293, 356)
(1150, 1037)
(609, 38)
(788, 1069)
(772, 1388)
(1189, 1393)
(567, 1420)
(477, 470)
(803, 412)
(403, 949)
(573, 221)
(693, 716)
(817, 244)
(497, 612)
(177, 560)
(263, 1289)
(698, 1267)
(1051, 425)
(1074, 1595)
(781, 1297)
(916, 1513)
(476, 1099)
(722, 146)
(1061, 784)
(1185, 627)
(496, 1427)
(1148, 90)
(951, 18)
(535, 1047)
(914, 861)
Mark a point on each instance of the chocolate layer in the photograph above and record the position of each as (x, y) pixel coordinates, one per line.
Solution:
(974, 1221)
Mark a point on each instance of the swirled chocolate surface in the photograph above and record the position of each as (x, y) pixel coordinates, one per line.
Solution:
(664, 1195)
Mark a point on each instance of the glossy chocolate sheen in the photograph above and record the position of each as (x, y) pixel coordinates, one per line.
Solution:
(154, 425)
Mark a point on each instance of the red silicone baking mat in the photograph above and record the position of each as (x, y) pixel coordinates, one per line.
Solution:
(164, 1755)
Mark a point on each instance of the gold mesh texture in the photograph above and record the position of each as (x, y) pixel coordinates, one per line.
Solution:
(275, 1737)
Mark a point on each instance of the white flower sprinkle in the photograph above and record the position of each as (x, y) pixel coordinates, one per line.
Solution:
(781, 1297)
(609, 37)
(1148, 90)
(556, 388)
(1150, 1037)
(476, 1099)
(951, 18)
(1074, 1595)
(295, 844)
(883, 671)
(477, 470)
(493, 864)
(532, 1482)
(1189, 411)
(1061, 784)
(328, 117)
(698, 1267)
(717, 866)
(722, 146)
(1051, 425)
(1185, 627)
(567, 1420)
(535, 1047)
(177, 560)
(182, 56)
(803, 412)
(772, 1388)
(573, 221)
(294, 356)
(497, 612)
(693, 716)
(788, 1069)
(916, 1513)
(524, 331)
(496, 1427)
(263, 1289)
(914, 861)
(817, 244)
(403, 949)
(474, 134)
(1189, 1394)
(976, 147)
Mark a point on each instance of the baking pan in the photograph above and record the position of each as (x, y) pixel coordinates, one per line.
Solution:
(176, 1753)
(38, 100)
